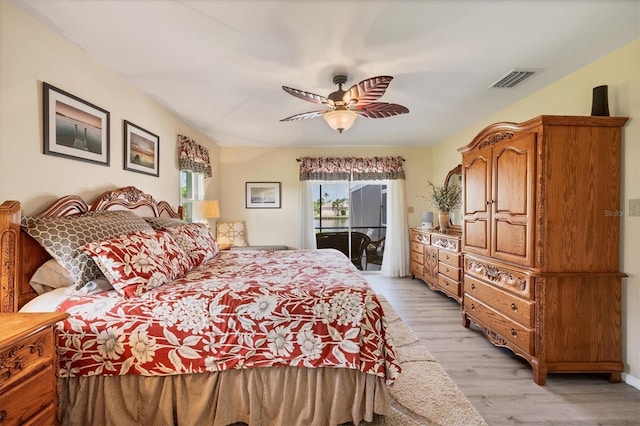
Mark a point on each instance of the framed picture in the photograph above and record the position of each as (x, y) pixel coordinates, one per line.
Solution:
(74, 128)
(262, 195)
(141, 150)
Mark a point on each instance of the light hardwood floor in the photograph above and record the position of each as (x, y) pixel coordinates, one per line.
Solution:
(498, 383)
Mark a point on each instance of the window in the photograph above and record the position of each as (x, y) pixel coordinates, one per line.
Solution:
(191, 189)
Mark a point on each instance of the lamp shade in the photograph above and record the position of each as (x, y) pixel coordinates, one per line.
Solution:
(206, 209)
(340, 119)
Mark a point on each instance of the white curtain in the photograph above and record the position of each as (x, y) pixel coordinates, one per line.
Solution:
(306, 233)
(395, 262)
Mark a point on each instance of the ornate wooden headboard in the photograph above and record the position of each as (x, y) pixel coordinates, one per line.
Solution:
(21, 255)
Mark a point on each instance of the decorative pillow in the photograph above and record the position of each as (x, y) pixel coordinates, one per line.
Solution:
(62, 237)
(229, 234)
(196, 240)
(158, 223)
(140, 261)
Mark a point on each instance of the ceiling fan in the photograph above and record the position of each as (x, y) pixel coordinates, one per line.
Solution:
(346, 105)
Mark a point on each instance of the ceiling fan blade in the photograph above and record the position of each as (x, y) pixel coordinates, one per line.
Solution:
(305, 115)
(380, 110)
(306, 96)
(368, 90)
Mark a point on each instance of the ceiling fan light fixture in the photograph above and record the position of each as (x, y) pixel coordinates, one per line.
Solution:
(340, 119)
(347, 105)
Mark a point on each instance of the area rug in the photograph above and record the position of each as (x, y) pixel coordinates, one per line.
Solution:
(424, 394)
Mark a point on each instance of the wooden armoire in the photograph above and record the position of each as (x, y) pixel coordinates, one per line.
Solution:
(541, 241)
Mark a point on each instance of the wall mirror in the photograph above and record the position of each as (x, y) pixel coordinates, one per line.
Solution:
(454, 177)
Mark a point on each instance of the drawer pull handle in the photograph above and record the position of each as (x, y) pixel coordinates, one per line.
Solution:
(3, 415)
(473, 307)
(514, 333)
(447, 257)
(473, 286)
(446, 283)
(514, 307)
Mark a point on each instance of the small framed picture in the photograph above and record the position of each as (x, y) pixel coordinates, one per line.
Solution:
(262, 195)
(141, 150)
(74, 128)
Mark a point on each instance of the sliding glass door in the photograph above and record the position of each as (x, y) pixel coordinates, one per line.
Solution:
(351, 217)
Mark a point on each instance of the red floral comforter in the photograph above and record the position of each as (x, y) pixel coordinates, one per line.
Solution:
(238, 310)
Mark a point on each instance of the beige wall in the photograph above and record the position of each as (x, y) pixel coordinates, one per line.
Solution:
(571, 95)
(279, 226)
(30, 53)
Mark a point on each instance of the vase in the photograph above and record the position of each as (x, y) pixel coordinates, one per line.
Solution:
(600, 102)
(443, 218)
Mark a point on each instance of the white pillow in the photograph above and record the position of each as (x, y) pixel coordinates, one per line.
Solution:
(47, 302)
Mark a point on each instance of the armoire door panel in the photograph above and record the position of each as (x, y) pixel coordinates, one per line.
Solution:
(511, 240)
(512, 199)
(475, 235)
(476, 193)
(511, 181)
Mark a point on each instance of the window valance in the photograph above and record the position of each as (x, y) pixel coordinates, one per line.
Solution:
(193, 156)
(351, 168)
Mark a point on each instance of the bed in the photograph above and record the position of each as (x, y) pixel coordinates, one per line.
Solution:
(264, 338)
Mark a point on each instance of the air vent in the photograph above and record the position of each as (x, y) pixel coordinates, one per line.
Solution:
(513, 78)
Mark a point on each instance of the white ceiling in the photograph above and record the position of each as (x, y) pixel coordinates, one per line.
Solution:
(220, 64)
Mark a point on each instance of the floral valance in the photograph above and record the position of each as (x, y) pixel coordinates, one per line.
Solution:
(193, 157)
(351, 168)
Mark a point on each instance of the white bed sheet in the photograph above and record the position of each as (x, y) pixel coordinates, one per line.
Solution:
(47, 302)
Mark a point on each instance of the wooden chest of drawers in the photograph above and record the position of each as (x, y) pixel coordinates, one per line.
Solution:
(435, 259)
(28, 382)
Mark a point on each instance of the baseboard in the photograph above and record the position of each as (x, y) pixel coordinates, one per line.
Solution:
(630, 380)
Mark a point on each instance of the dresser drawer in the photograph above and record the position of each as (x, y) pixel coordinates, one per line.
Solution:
(26, 356)
(449, 258)
(417, 247)
(419, 237)
(28, 398)
(509, 330)
(514, 307)
(445, 242)
(508, 279)
(450, 286)
(417, 257)
(44, 417)
(449, 271)
(417, 269)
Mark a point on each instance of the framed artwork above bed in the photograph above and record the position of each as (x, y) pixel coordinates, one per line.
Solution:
(73, 127)
(141, 150)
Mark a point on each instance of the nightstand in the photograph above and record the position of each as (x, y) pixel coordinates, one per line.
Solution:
(28, 381)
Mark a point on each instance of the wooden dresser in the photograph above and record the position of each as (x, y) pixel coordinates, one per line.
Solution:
(541, 241)
(436, 260)
(28, 382)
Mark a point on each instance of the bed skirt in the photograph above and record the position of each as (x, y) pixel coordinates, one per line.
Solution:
(259, 396)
